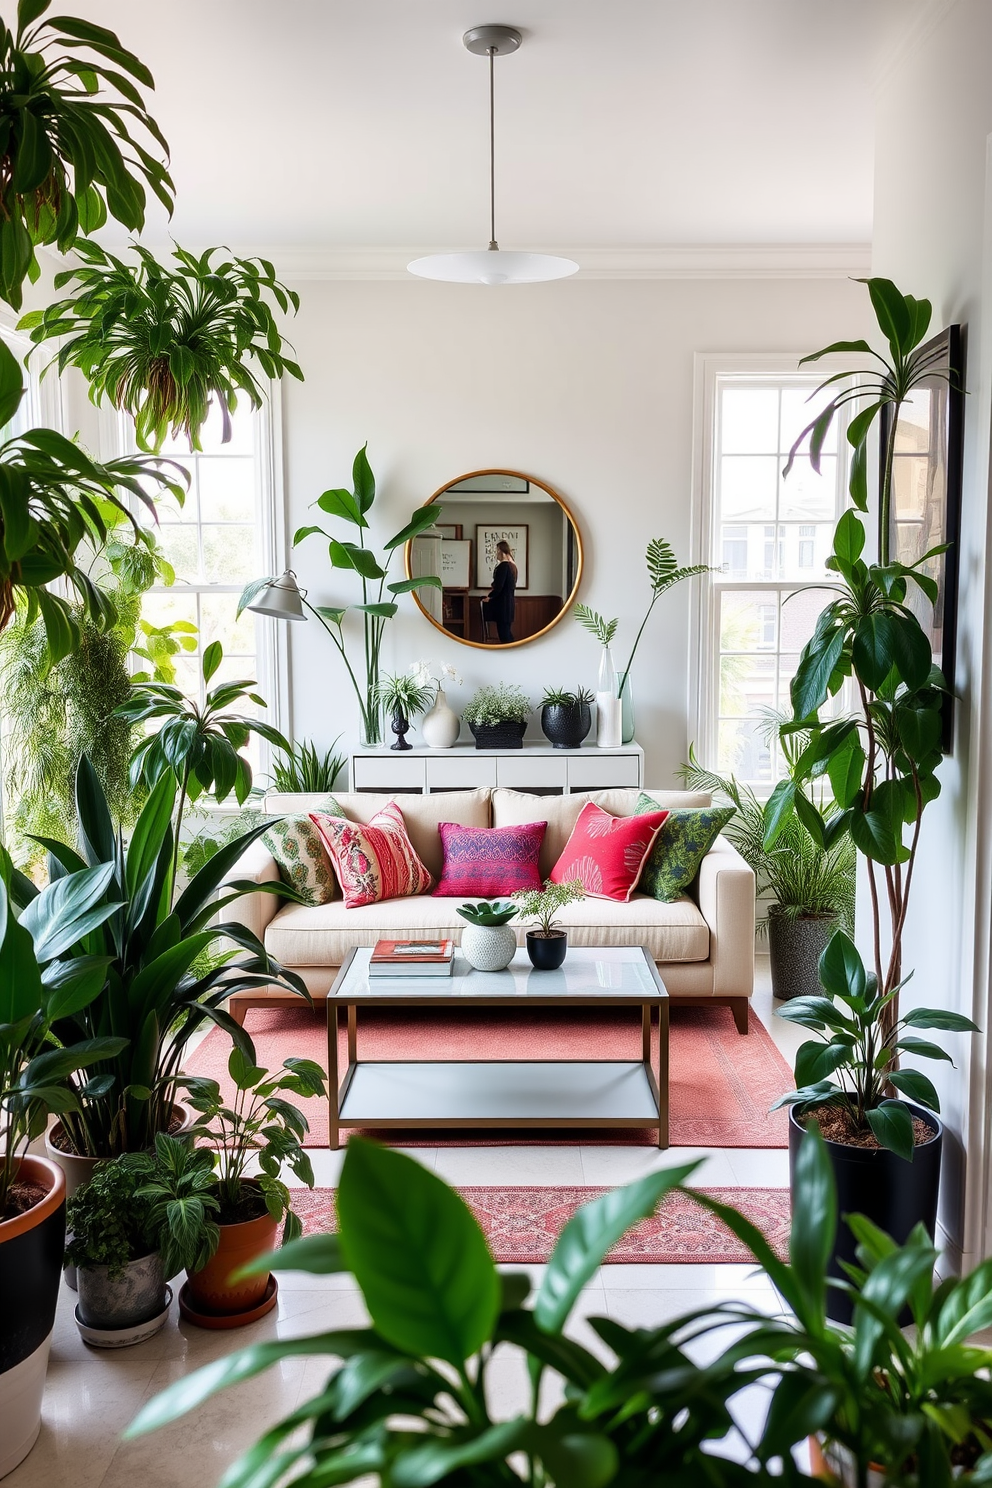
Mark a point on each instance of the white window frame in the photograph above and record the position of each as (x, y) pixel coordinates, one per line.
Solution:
(704, 639)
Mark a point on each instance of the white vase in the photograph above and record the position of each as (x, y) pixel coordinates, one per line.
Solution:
(439, 727)
(608, 721)
(488, 947)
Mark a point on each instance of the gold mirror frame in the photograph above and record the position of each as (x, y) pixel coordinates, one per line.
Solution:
(579, 560)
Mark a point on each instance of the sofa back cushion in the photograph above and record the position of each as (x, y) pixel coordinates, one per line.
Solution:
(513, 808)
(422, 815)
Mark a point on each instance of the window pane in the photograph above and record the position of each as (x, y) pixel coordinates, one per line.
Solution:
(229, 554)
(743, 751)
(749, 420)
(909, 487)
(913, 429)
(798, 410)
(179, 545)
(804, 550)
(805, 496)
(747, 487)
(747, 684)
(217, 612)
(748, 620)
(799, 614)
(227, 489)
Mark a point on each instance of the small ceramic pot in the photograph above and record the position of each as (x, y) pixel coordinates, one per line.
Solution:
(566, 725)
(547, 952)
(125, 1300)
(488, 947)
(439, 727)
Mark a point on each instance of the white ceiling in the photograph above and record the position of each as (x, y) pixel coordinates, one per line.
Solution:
(326, 124)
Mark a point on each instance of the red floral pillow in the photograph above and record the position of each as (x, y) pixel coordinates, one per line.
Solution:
(375, 861)
(607, 853)
(486, 862)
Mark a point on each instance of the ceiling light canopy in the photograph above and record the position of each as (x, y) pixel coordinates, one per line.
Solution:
(492, 265)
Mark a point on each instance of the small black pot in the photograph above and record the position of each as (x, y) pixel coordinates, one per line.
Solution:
(893, 1193)
(400, 727)
(566, 725)
(498, 735)
(547, 952)
(794, 950)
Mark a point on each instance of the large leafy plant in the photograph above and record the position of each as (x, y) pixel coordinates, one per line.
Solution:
(161, 343)
(151, 995)
(65, 113)
(353, 508)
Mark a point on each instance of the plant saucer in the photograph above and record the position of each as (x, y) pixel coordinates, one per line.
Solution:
(200, 1319)
(114, 1338)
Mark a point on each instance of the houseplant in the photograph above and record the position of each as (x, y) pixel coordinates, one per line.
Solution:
(487, 942)
(663, 573)
(402, 698)
(353, 507)
(566, 717)
(302, 769)
(497, 716)
(439, 727)
(259, 1121)
(882, 759)
(813, 885)
(165, 343)
(546, 946)
(63, 112)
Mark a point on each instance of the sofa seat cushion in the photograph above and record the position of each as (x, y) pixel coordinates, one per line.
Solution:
(323, 935)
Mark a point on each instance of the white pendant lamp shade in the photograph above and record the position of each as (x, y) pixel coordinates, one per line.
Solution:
(492, 265)
(282, 599)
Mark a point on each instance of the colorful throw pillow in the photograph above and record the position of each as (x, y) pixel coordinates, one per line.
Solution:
(485, 862)
(373, 861)
(680, 847)
(301, 857)
(607, 853)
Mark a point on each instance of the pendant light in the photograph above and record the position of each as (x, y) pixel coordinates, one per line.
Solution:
(492, 265)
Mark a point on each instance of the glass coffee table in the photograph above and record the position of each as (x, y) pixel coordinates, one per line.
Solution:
(604, 1093)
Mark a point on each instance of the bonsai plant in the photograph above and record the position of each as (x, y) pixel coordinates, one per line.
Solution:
(303, 770)
(497, 716)
(882, 760)
(259, 1121)
(162, 344)
(375, 609)
(67, 111)
(812, 885)
(402, 697)
(546, 946)
(566, 717)
(663, 574)
(487, 942)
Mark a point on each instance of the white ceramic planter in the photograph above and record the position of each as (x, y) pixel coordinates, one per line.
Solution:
(488, 947)
(608, 721)
(439, 727)
(21, 1391)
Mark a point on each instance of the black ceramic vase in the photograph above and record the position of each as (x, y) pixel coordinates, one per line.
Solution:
(565, 725)
(546, 952)
(401, 727)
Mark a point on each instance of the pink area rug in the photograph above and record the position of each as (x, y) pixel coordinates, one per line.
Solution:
(722, 1083)
(522, 1224)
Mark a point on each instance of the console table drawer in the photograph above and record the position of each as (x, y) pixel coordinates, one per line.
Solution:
(603, 771)
(524, 773)
(456, 772)
(386, 774)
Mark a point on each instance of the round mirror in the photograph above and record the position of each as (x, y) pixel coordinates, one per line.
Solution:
(509, 556)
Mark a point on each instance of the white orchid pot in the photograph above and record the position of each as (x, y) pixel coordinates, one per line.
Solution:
(439, 727)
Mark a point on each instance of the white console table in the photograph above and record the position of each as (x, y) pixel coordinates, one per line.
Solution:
(536, 767)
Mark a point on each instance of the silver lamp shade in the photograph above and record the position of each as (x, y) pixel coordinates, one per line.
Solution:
(281, 598)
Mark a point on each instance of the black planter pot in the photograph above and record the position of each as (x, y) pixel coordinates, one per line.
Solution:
(893, 1193)
(498, 735)
(565, 726)
(546, 952)
(794, 950)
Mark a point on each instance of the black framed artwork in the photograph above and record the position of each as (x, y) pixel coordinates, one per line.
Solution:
(925, 508)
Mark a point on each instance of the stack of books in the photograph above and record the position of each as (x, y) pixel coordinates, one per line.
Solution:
(406, 958)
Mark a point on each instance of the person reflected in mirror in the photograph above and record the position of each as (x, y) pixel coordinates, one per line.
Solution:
(501, 595)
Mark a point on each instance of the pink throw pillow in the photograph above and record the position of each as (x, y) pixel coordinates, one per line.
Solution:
(484, 862)
(375, 861)
(607, 853)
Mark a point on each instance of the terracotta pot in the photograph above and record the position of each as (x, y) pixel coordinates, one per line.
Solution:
(835, 1465)
(210, 1289)
(31, 1248)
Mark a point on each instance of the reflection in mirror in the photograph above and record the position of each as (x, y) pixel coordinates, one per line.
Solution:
(508, 554)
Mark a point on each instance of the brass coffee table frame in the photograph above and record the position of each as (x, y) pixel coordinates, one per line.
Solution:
(342, 999)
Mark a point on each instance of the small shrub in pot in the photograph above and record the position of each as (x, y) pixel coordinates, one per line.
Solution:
(497, 716)
(546, 946)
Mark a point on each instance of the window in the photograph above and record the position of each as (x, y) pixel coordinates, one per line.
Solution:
(768, 537)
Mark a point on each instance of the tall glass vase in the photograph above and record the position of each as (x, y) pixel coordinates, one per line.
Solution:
(607, 703)
(371, 729)
(607, 680)
(626, 711)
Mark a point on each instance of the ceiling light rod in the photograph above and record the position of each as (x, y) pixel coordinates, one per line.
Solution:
(502, 267)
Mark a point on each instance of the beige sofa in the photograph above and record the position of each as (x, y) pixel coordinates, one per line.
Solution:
(703, 944)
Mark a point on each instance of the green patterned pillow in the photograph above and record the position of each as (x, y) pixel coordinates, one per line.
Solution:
(686, 836)
(301, 857)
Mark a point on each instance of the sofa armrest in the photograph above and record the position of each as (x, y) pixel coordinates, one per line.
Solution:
(725, 895)
(253, 910)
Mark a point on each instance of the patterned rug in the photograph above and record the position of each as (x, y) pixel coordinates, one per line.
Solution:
(722, 1083)
(522, 1224)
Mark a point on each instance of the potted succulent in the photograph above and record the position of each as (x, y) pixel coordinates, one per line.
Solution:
(546, 946)
(487, 942)
(402, 698)
(497, 716)
(258, 1123)
(566, 717)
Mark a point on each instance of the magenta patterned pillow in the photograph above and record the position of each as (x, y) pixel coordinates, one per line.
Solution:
(485, 862)
(373, 861)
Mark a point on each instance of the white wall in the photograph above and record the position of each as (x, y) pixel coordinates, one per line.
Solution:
(587, 385)
(931, 236)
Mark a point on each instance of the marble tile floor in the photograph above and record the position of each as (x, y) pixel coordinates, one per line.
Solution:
(91, 1395)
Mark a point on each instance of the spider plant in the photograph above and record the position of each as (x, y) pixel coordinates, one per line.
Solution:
(303, 770)
(64, 110)
(403, 694)
(163, 343)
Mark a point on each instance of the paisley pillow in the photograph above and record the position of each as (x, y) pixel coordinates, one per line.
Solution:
(302, 858)
(373, 861)
(686, 836)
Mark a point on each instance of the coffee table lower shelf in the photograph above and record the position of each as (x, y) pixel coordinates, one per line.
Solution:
(528, 1093)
